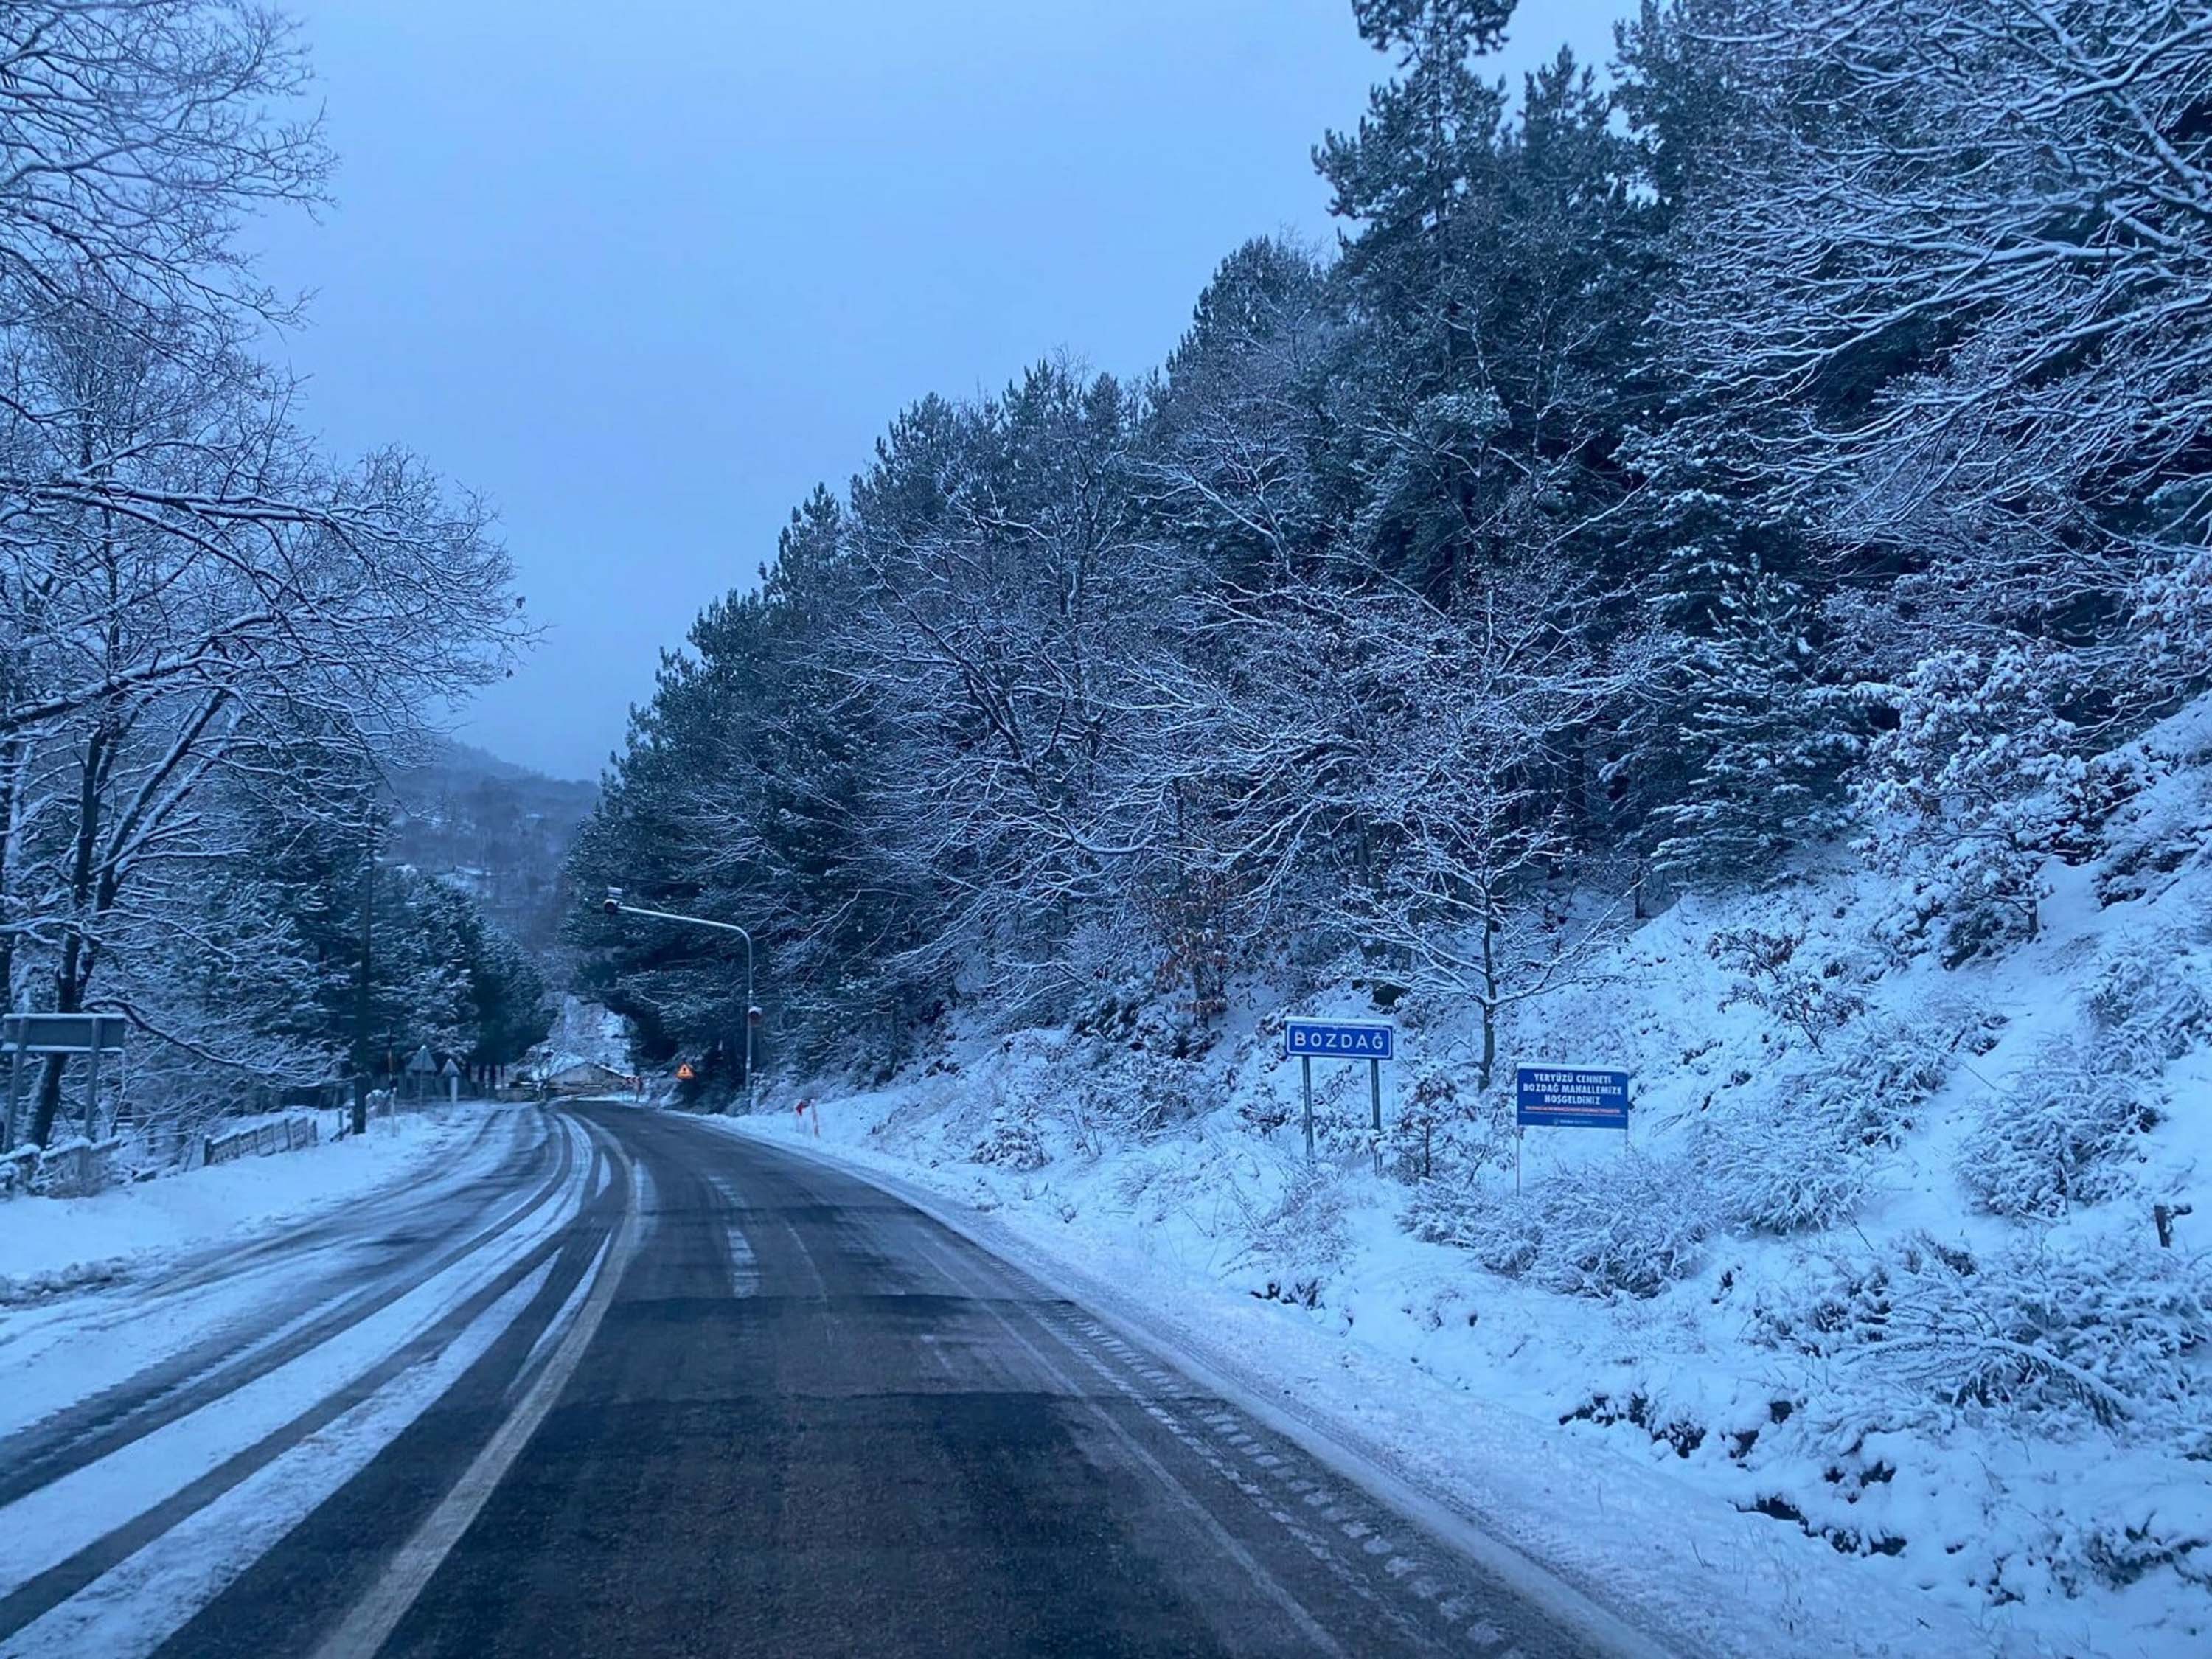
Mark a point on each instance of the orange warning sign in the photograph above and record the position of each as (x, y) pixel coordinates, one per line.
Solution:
(685, 1073)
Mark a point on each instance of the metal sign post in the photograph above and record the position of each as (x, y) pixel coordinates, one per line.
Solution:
(15, 1098)
(421, 1068)
(1375, 1098)
(24, 1035)
(91, 1090)
(1371, 1039)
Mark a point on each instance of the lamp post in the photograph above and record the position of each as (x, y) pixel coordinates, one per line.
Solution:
(613, 906)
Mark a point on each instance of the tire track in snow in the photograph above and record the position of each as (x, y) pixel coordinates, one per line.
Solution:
(74, 1530)
(230, 1358)
(152, 1593)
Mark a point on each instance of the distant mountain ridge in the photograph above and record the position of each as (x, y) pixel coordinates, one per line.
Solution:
(500, 831)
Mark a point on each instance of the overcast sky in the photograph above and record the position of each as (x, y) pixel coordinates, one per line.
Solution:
(645, 274)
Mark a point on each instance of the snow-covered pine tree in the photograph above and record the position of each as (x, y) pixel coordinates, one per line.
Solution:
(1766, 745)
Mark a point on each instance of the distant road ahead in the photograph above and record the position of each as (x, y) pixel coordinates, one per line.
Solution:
(635, 1387)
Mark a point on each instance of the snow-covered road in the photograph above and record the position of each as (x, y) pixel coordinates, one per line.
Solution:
(622, 1384)
(160, 1436)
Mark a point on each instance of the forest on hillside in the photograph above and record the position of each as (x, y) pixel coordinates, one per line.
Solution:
(498, 832)
(217, 641)
(1799, 437)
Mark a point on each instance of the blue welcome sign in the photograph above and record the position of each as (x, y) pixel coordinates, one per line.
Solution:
(1337, 1039)
(1570, 1098)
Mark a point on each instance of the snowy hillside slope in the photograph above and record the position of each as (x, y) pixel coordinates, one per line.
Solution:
(1881, 1266)
(584, 1034)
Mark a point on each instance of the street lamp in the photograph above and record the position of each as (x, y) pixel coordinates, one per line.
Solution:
(613, 905)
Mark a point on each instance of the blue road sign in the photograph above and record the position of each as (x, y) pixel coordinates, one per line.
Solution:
(1339, 1039)
(1570, 1098)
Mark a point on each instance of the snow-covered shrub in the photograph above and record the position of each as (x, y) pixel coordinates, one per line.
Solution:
(2163, 1528)
(2110, 1335)
(1012, 1141)
(1444, 1131)
(1432, 1103)
(1802, 1156)
(1264, 1111)
(2064, 1132)
(2174, 613)
(1980, 781)
(1876, 1080)
(1773, 978)
(1134, 1100)
(1632, 1227)
(2167, 826)
(1498, 1229)
(1782, 1171)
(1300, 1232)
(2149, 1004)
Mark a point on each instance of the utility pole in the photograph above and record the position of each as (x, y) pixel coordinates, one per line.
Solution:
(360, 988)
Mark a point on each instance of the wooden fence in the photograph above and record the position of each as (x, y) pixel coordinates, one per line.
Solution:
(74, 1169)
(263, 1139)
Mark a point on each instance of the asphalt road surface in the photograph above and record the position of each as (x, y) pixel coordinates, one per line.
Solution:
(637, 1387)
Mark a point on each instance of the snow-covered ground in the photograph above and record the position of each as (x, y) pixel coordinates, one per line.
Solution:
(53, 1243)
(1869, 1335)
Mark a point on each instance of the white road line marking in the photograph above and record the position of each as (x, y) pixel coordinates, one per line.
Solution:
(378, 1613)
(146, 1598)
(745, 1267)
(559, 1323)
(47, 1527)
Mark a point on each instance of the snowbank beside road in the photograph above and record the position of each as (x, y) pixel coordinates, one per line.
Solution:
(1655, 1552)
(1908, 1270)
(49, 1244)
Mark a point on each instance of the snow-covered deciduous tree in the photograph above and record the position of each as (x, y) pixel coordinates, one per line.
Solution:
(1011, 599)
(1952, 268)
(1464, 890)
(269, 612)
(198, 609)
(136, 136)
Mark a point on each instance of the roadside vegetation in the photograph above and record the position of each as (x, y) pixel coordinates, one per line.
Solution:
(1710, 574)
(216, 640)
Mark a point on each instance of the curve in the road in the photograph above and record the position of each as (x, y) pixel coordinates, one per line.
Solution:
(699, 1395)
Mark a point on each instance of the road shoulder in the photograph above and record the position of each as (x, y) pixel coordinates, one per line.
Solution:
(52, 1246)
(1646, 1563)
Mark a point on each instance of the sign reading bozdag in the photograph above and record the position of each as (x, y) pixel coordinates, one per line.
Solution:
(1337, 1039)
(1371, 1039)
